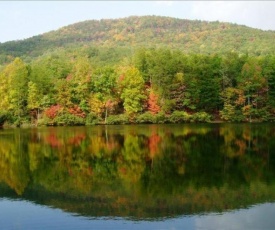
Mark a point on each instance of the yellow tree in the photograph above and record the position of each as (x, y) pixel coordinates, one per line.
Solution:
(4, 102)
(96, 104)
(15, 82)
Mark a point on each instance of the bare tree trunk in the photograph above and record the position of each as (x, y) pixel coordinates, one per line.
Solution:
(106, 114)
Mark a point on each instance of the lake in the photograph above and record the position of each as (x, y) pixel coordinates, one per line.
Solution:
(188, 176)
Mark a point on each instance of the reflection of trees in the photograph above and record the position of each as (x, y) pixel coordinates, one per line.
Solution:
(14, 161)
(131, 162)
(142, 169)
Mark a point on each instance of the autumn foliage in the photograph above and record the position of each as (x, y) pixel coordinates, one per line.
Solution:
(77, 111)
(153, 106)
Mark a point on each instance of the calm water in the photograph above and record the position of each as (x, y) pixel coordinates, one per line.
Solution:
(206, 176)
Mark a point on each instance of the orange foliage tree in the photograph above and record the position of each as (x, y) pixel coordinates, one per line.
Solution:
(153, 106)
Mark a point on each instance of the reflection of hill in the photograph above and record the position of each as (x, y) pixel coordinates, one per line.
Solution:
(189, 202)
(140, 171)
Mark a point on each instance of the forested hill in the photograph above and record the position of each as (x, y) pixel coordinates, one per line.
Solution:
(147, 31)
(139, 70)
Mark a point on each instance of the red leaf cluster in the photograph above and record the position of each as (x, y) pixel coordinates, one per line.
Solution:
(52, 111)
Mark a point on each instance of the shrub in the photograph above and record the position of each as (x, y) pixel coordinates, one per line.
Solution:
(117, 119)
(146, 118)
(179, 117)
(43, 121)
(201, 117)
(3, 118)
(92, 119)
(260, 114)
(161, 118)
(69, 119)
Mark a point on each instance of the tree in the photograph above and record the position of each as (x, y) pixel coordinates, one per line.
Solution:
(207, 69)
(4, 88)
(63, 96)
(16, 74)
(231, 67)
(255, 89)
(79, 82)
(234, 101)
(45, 71)
(177, 93)
(131, 85)
(34, 100)
(96, 104)
(103, 84)
(153, 105)
(269, 74)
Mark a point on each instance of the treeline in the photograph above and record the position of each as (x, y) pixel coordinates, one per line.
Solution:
(153, 86)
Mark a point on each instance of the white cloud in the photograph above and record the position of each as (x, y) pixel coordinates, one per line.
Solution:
(21, 19)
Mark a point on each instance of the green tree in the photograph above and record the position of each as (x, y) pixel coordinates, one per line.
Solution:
(231, 68)
(34, 100)
(63, 96)
(255, 89)
(131, 86)
(269, 74)
(206, 69)
(46, 72)
(79, 81)
(103, 85)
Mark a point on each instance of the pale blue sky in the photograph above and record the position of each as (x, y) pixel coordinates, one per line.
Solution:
(23, 19)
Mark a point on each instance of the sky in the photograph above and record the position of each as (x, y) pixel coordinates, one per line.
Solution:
(24, 19)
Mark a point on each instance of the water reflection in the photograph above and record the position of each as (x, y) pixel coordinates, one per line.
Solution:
(26, 215)
(140, 172)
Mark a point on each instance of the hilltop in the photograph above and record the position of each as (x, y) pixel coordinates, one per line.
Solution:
(189, 36)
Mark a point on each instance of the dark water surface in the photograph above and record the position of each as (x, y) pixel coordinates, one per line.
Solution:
(191, 176)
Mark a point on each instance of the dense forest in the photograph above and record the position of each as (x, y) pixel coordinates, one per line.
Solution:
(139, 70)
